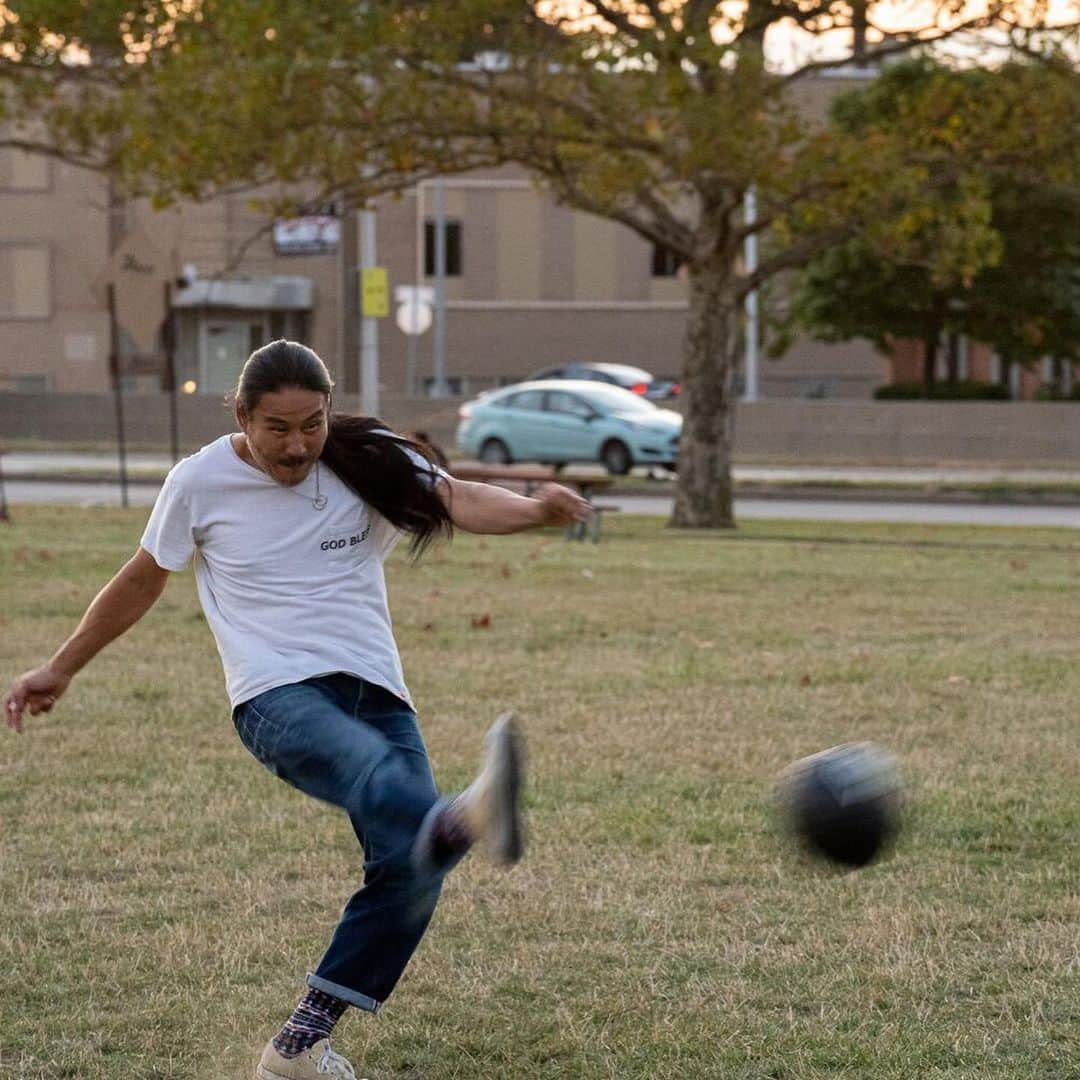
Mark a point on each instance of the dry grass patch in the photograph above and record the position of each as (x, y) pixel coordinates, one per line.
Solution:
(163, 895)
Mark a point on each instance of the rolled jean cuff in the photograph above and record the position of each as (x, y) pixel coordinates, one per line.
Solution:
(343, 993)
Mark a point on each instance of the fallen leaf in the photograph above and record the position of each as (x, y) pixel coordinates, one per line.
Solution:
(481, 622)
(805, 680)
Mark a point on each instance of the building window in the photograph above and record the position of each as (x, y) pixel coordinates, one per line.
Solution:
(20, 171)
(25, 281)
(453, 248)
(665, 262)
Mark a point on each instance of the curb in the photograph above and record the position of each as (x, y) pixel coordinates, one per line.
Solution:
(848, 492)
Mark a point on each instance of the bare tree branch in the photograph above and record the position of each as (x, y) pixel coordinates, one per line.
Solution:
(899, 43)
(794, 255)
(617, 19)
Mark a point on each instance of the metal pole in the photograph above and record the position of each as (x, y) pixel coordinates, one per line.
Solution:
(750, 390)
(342, 209)
(369, 325)
(410, 366)
(169, 344)
(4, 515)
(118, 394)
(439, 364)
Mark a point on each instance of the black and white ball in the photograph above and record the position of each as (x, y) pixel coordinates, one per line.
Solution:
(843, 804)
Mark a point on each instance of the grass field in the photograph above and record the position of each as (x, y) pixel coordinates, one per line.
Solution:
(161, 896)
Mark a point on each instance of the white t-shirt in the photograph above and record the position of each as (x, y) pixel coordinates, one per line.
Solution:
(290, 592)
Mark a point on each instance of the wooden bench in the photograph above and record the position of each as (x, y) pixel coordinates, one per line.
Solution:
(530, 477)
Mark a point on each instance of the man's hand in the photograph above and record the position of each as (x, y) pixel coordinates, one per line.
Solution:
(561, 506)
(35, 690)
(115, 609)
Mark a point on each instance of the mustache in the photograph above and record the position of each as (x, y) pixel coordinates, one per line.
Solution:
(292, 463)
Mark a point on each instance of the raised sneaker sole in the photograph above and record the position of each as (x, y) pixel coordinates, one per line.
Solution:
(507, 762)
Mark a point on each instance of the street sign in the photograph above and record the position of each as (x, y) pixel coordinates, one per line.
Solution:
(314, 234)
(374, 292)
(421, 294)
(414, 311)
(413, 318)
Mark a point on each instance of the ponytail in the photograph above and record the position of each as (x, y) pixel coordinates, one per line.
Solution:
(375, 463)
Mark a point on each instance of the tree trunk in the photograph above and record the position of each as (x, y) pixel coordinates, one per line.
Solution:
(952, 357)
(935, 323)
(930, 351)
(703, 495)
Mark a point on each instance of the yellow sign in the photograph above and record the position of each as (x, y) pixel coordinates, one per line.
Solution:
(374, 292)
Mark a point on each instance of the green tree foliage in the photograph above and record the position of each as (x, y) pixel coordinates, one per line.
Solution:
(657, 115)
(992, 251)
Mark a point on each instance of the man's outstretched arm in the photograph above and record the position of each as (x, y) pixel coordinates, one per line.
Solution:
(485, 508)
(121, 604)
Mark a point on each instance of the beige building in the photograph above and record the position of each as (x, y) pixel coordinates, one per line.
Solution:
(63, 239)
(529, 284)
(54, 239)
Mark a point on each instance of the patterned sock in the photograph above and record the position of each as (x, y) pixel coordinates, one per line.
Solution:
(450, 837)
(313, 1019)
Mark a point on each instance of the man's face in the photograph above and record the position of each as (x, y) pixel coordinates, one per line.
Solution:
(286, 431)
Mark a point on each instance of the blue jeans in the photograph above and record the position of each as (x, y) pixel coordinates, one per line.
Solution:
(354, 744)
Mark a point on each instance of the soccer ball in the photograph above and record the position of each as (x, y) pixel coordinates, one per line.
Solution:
(843, 804)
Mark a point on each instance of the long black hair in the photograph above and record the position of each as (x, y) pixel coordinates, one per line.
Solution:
(365, 454)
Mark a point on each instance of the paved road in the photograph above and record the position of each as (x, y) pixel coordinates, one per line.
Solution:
(78, 493)
(1068, 517)
(917, 513)
(58, 463)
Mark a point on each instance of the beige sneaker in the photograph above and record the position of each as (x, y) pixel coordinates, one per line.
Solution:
(489, 806)
(315, 1063)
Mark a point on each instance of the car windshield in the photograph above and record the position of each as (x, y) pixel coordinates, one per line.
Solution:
(610, 399)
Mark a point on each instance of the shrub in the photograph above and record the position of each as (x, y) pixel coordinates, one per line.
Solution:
(1052, 392)
(901, 391)
(961, 390)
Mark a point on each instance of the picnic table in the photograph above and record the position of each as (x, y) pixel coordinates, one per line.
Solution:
(528, 478)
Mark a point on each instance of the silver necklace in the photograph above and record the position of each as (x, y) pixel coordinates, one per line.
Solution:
(318, 500)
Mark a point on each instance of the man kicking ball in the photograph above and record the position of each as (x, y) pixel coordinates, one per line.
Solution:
(289, 521)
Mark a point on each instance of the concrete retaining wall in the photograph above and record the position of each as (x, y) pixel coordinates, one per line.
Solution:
(91, 418)
(1046, 433)
(887, 432)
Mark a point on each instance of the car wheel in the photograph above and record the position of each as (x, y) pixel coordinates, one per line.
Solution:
(616, 458)
(495, 452)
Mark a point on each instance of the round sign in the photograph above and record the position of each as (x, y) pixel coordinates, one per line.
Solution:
(413, 318)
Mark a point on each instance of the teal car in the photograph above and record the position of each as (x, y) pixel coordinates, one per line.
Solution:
(559, 421)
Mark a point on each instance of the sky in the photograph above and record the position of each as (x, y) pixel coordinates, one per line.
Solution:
(787, 46)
